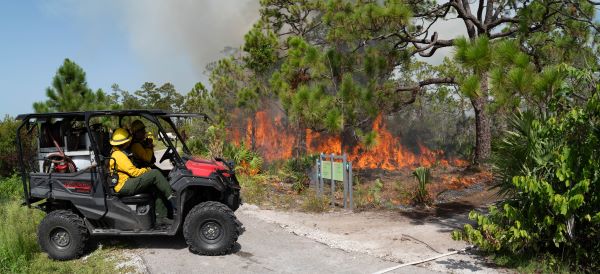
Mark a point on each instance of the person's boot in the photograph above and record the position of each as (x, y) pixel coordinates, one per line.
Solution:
(169, 211)
(172, 208)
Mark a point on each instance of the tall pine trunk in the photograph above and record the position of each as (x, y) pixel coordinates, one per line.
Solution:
(301, 147)
(253, 133)
(348, 142)
(483, 130)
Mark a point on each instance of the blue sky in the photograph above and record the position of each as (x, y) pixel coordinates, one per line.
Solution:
(123, 42)
(35, 41)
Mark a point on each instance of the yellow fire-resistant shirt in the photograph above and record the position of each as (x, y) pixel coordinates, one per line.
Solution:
(125, 168)
(141, 153)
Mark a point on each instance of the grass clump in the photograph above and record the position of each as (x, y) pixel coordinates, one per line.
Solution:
(366, 196)
(545, 263)
(313, 203)
(18, 245)
(254, 188)
(11, 187)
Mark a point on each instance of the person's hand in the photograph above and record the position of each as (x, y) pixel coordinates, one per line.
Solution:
(148, 143)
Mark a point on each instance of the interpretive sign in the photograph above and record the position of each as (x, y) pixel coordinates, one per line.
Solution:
(331, 170)
(338, 170)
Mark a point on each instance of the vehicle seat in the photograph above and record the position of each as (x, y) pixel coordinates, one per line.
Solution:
(137, 198)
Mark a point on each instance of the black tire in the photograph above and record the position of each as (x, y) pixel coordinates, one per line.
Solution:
(63, 235)
(233, 201)
(211, 228)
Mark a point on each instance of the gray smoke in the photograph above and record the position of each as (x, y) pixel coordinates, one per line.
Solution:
(198, 30)
(174, 40)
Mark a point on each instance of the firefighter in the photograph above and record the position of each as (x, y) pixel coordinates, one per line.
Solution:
(142, 147)
(133, 180)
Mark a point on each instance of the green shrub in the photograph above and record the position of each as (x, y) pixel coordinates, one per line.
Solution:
(296, 171)
(198, 147)
(516, 152)
(246, 160)
(9, 157)
(8, 148)
(423, 176)
(555, 201)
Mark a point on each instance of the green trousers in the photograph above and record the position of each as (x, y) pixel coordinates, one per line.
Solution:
(147, 182)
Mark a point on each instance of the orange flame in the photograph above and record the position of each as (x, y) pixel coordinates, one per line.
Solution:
(275, 141)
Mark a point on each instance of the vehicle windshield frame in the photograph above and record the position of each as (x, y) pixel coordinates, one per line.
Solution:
(178, 160)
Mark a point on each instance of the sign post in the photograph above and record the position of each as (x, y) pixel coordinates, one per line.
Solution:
(335, 171)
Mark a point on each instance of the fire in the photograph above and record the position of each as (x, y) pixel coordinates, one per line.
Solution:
(275, 141)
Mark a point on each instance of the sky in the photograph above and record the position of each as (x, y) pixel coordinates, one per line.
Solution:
(127, 42)
(115, 41)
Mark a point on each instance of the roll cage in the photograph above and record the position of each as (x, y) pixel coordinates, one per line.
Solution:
(29, 122)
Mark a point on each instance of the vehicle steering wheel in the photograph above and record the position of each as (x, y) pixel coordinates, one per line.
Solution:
(167, 155)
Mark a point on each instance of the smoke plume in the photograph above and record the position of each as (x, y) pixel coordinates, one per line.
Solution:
(198, 30)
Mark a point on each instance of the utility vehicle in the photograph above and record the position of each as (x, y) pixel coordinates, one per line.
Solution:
(64, 159)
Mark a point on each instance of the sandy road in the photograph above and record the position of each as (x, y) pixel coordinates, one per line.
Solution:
(264, 248)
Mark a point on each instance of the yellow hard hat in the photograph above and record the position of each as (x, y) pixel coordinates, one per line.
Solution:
(136, 125)
(120, 136)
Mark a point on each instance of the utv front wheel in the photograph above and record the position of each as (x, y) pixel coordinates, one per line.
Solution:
(233, 201)
(63, 235)
(211, 228)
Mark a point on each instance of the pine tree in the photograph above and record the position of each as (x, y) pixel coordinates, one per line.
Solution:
(70, 92)
(406, 27)
(164, 97)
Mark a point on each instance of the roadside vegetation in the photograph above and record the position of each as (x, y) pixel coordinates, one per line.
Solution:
(552, 210)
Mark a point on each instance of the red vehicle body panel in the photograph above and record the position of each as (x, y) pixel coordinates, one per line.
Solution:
(204, 168)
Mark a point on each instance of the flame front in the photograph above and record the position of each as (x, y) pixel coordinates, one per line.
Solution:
(275, 142)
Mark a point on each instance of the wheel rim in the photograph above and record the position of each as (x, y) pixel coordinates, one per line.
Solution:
(60, 238)
(210, 231)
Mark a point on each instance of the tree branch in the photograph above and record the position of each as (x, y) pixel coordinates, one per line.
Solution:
(427, 82)
(489, 10)
(464, 12)
(417, 89)
(480, 10)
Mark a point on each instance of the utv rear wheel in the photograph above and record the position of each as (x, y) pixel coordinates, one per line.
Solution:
(211, 229)
(63, 235)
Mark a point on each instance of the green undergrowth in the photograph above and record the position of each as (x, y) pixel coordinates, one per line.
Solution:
(19, 251)
(545, 263)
